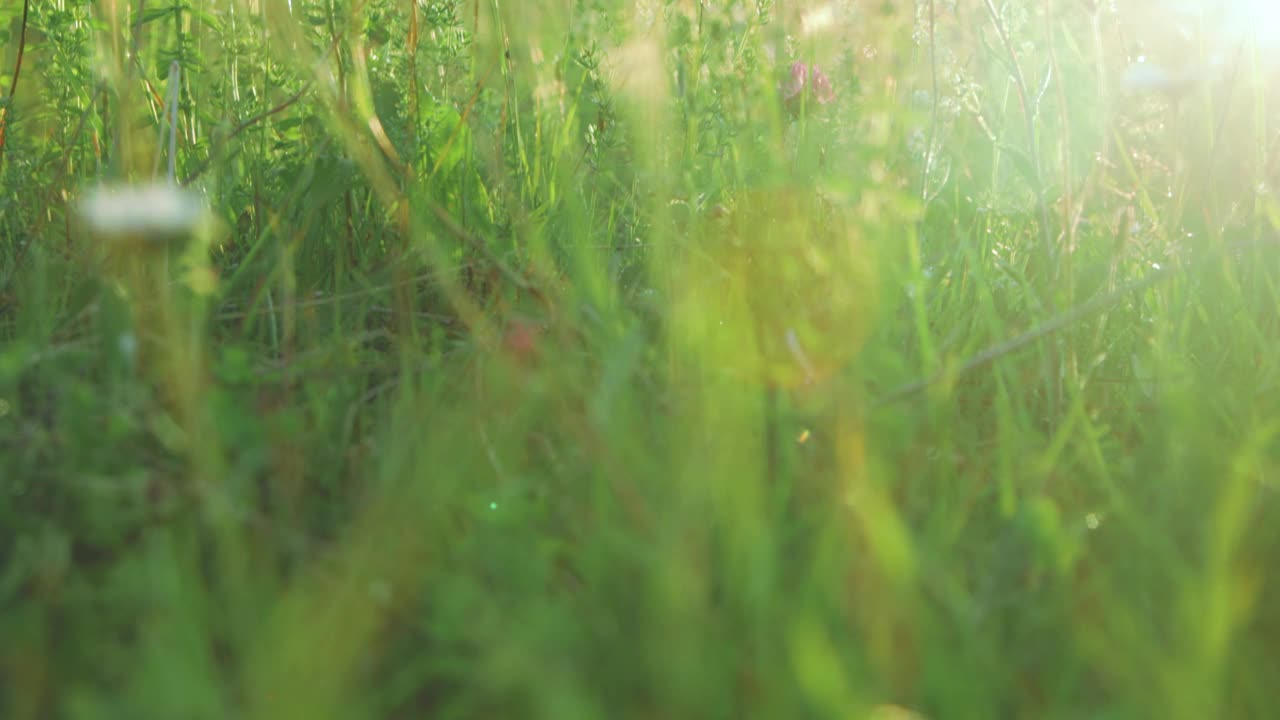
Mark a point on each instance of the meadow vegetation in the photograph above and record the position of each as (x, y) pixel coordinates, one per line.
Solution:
(637, 359)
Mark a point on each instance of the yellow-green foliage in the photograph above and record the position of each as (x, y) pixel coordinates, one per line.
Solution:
(598, 359)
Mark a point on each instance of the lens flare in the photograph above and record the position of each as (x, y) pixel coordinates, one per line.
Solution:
(1253, 21)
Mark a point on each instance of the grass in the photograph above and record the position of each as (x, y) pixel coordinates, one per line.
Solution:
(545, 360)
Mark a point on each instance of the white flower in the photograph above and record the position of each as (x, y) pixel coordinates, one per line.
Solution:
(159, 211)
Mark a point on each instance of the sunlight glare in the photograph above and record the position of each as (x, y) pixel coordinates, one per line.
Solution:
(1257, 21)
(817, 19)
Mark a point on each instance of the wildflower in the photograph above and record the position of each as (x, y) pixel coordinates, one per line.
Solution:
(156, 213)
(822, 90)
(795, 84)
(802, 76)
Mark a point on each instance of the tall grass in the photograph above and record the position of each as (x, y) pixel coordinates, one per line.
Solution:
(561, 360)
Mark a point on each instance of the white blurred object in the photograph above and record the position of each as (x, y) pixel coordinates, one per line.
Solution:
(156, 211)
(1146, 76)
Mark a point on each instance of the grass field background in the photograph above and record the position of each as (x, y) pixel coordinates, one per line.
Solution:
(645, 359)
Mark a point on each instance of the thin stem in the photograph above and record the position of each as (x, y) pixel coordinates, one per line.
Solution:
(174, 75)
(1063, 320)
(1042, 280)
(1024, 98)
(13, 82)
(933, 111)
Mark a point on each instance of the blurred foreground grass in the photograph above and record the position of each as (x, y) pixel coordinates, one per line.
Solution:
(594, 359)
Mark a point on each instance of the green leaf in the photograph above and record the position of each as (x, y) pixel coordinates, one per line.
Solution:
(448, 138)
(209, 19)
(152, 14)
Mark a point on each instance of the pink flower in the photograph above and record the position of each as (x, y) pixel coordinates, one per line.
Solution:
(820, 90)
(795, 85)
